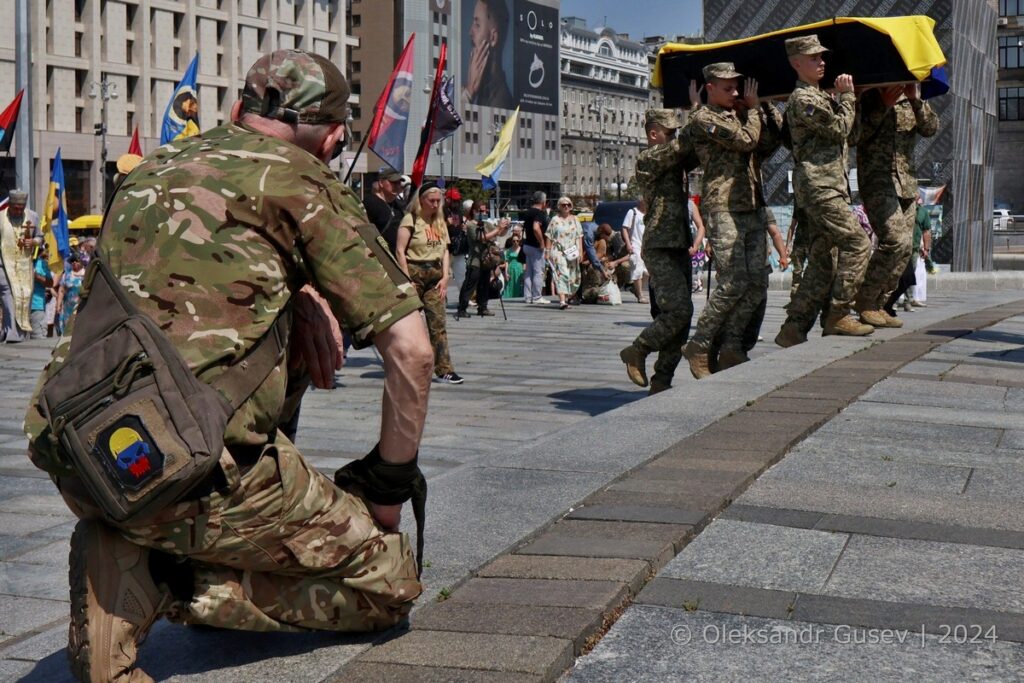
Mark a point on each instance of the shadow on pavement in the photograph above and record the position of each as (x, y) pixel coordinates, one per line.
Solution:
(594, 401)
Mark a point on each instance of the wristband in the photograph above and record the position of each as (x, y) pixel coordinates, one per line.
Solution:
(385, 483)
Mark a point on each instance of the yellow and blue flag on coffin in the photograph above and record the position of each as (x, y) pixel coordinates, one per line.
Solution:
(492, 165)
(54, 222)
(181, 118)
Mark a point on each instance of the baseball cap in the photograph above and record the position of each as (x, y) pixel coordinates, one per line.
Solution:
(391, 176)
(721, 70)
(126, 163)
(453, 194)
(665, 117)
(804, 45)
(296, 87)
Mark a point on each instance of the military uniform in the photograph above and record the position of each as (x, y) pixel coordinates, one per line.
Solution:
(730, 145)
(211, 236)
(661, 177)
(821, 128)
(888, 186)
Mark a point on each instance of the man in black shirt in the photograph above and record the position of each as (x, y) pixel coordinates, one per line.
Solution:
(535, 224)
(382, 207)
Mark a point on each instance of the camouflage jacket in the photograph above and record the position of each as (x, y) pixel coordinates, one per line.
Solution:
(821, 129)
(730, 146)
(661, 177)
(885, 150)
(213, 234)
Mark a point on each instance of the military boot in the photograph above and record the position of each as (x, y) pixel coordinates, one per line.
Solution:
(114, 601)
(730, 358)
(698, 359)
(841, 322)
(790, 335)
(635, 361)
(659, 385)
(891, 320)
(873, 318)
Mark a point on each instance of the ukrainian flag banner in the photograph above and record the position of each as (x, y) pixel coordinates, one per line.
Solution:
(54, 221)
(181, 118)
(491, 166)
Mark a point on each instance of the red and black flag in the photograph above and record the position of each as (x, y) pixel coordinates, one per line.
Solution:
(9, 121)
(391, 115)
(446, 118)
(135, 147)
(419, 167)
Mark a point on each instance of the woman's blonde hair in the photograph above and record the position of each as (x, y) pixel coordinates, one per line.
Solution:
(417, 207)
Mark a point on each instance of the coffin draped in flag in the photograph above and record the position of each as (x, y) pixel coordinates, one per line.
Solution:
(490, 168)
(391, 115)
(874, 50)
(181, 118)
(9, 121)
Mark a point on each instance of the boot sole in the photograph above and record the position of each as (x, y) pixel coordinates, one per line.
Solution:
(78, 629)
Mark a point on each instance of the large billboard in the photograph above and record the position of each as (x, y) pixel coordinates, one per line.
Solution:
(510, 55)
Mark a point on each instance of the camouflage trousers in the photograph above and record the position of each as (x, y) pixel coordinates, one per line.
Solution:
(285, 550)
(798, 254)
(832, 225)
(425, 277)
(892, 219)
(739, 248)
(671, 274)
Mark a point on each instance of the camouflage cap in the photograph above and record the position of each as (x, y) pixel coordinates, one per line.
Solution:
(296, 87)
(390, 175)
(804, 45)
(721, 70)
(665, 117)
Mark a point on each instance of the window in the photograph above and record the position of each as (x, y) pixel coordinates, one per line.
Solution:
(1010, 108)
(1011, 52)
(1011, 8)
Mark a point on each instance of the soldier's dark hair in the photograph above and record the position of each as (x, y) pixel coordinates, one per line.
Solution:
(498, 11)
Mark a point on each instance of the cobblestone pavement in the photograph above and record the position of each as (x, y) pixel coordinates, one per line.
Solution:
(539, 372)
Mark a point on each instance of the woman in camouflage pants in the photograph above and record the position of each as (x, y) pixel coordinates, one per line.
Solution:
(422, 252)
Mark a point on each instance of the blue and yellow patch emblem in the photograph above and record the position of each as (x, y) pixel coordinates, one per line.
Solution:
(129, 453)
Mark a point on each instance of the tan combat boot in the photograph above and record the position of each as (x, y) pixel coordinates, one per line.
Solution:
(698, 359)
(891, 320)
(841, 322)
(873, 318)
(730, 358)
(635, 361)
(114, 601)
(790, 335)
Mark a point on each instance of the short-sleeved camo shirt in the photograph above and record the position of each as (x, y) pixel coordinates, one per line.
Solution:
(213, 234)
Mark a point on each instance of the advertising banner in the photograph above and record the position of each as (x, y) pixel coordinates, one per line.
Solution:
(510, 55)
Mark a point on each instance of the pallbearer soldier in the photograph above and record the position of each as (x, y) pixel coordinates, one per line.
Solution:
(891, 121)
(820, 127)
(661, 175)
(730, 135)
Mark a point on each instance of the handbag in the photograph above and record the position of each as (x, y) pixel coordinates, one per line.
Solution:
(572, 252)
(126, 412)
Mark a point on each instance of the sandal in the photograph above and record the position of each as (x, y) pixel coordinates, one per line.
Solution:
(564, 305)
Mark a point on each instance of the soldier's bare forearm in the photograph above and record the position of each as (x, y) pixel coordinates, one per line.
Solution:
(408, 364)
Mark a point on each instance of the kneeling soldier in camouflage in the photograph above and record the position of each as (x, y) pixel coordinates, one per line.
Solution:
(212, 237)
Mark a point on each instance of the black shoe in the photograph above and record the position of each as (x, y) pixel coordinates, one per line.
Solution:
(483, 312)
(450, 378)
(462, 313)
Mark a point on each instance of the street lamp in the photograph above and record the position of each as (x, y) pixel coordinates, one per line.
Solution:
(106, 91)
(597, 107)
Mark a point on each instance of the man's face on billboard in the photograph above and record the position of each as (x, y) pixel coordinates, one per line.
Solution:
(483, 31)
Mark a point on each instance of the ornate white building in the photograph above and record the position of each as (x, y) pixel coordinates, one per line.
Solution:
(605, 90)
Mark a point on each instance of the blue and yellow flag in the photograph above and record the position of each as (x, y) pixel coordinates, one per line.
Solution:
(54, 221)
(181, 118)
(491, 166)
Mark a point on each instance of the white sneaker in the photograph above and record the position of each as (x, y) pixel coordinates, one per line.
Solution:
(450, 378)
(541, 300)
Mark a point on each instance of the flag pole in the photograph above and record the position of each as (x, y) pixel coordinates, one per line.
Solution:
(348, 174)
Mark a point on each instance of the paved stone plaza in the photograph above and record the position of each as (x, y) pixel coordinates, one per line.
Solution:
(899, 511)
